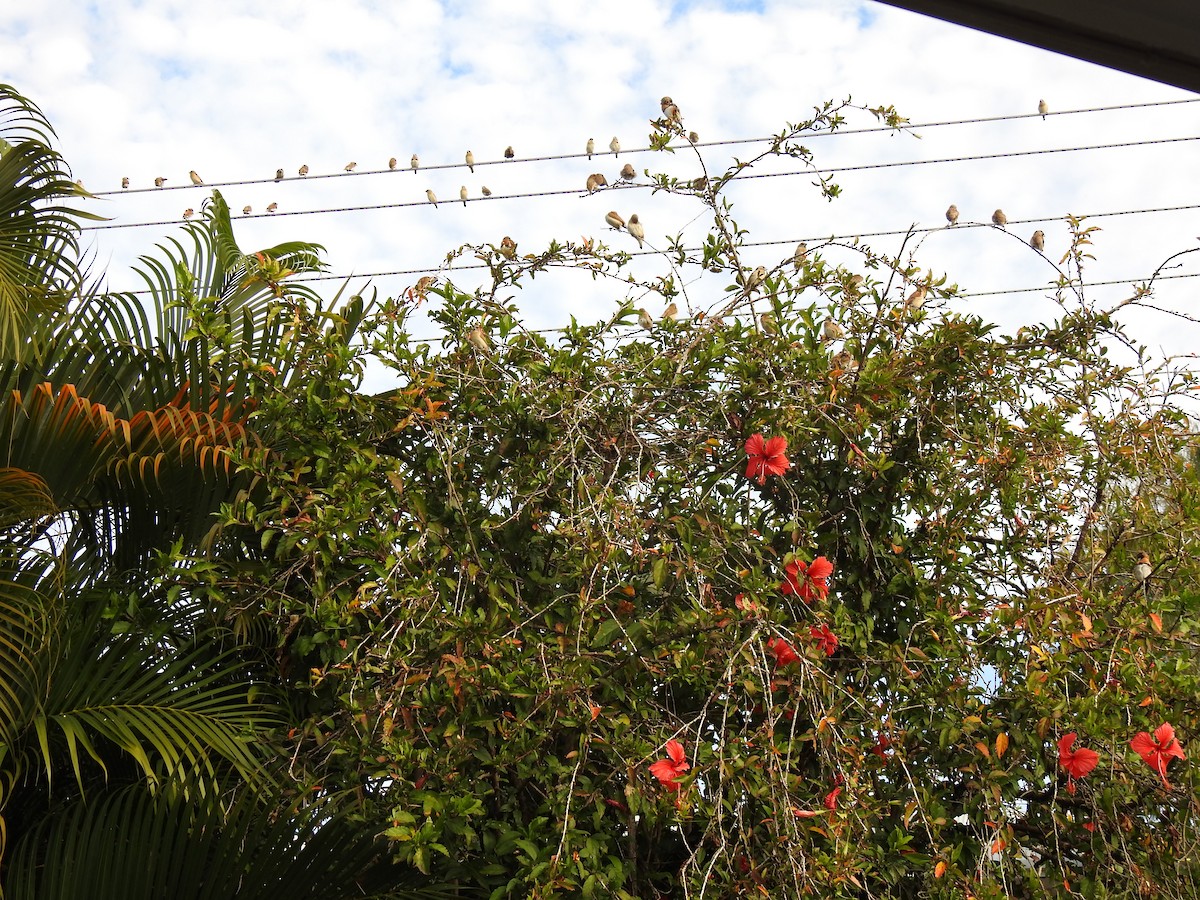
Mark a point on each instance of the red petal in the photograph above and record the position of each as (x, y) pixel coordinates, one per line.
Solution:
(775, 446)
(1144, 746)
(831, 798)
(820, 568)
(754, 444)
(675, 751)
(1164, 734)
(1082, 762)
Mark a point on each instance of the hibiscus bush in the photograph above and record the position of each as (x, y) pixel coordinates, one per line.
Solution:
(740, 603)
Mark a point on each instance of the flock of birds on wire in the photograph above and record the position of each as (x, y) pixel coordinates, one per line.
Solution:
(595, 182)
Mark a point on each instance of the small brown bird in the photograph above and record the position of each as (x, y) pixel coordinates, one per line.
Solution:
(159, 181)
(508, 247)
(350, 166)
(671, 112)
(271, 207)
(999, 218)
(479, 339)
(1038, 241)
(462, 194)
(279, 174)
(615, 146)
(613, 218)
(916, 299)
(591, 147)
(595, 181)
(392, 164)
(188, 213)
(195, 178)
(304, 169)
(693, 138)
(1142, 569)
(843, 362)
(755, 278)
(471, 161)
(635, 228)
(831, 331)
(414, 162)
(431, 197)
(645, 320)
(952, 214)
(854, 285)
(769, 325)
(508, 152)
(486, 191)
(672, 310)
(627, 172)
(246, 210)
(1043, 109)
(124, 182)
(800, 256)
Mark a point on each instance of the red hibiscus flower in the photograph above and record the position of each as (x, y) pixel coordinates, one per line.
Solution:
(808, 581)
(669, 769)
(766, 457)
(824, 638)
(1077, 762)
(1157, 751)
(784, 652)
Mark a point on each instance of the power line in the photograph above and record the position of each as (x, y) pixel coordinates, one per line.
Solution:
(725, 143)
(628, 186)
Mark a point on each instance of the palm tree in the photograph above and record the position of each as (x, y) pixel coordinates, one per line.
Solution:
(136, 727)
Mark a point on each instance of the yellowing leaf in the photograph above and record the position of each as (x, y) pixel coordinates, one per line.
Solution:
(984, 749)
(1156, 621)
(940, 869)
(1001, 744)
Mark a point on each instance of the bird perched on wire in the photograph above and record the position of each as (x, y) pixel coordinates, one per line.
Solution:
(508, 247)
(1038, 241)
(800, 256)
(615, 146)
(693, 138)
(304, 169)
(471, 161)
(125, 182)
(279, 174)
(196, 179)
(591, 147)
(350, 166)
(462, 194)
(188, 213)
(414, 162)
(159, 181)
(392, 164)
(246, 210)
(486, 191)
(595, 181)
(952, 214)
(1043, 109)
(627, 172)
(431, 197)
(271, 207)
(999, 218)
(613, 218)
(508, 152)
(635, 228)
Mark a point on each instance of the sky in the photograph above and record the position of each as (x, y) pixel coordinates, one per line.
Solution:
(146, 88)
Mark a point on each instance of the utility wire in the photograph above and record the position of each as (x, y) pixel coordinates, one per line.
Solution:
(735, 141)
(628, 185)
(817, 240)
